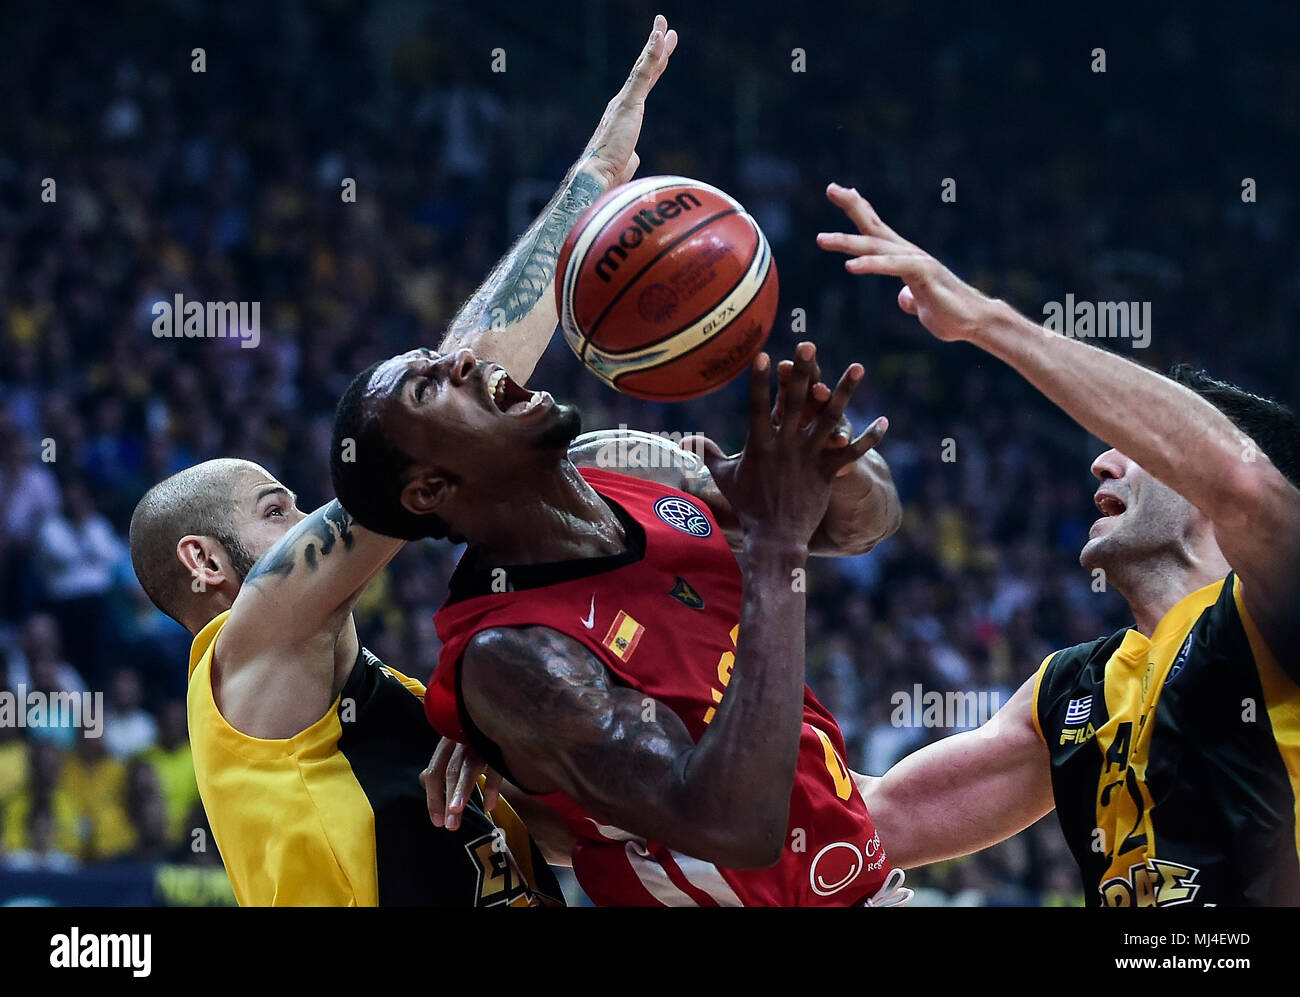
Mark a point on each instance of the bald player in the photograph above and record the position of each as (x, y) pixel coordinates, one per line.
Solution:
(307, 749)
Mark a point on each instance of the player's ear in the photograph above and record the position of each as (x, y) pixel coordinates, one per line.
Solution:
(204, 560)
(426, 493)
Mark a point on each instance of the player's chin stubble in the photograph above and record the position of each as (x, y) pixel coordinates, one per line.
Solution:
(562, 430)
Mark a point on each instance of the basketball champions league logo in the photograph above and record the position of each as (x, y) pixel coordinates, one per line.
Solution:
(681, 514)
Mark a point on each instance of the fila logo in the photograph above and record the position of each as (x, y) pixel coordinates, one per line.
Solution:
(1077, 735)
(683, 593)
(1079, 710)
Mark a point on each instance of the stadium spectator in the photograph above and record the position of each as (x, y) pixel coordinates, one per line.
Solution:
(129, 729)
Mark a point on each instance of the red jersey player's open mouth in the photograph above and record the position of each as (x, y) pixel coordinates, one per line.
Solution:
(508, 396)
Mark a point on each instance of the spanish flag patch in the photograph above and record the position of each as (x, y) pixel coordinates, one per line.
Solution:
(624, 635)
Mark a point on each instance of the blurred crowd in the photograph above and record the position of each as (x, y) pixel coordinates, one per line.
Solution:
(225, 185)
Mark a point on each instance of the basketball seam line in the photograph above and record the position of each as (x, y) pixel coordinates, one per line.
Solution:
(649, 263)
(699, 346)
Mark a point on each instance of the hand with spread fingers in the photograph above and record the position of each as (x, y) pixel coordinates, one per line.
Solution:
(611, 154)
(780, 484)
(946, 305)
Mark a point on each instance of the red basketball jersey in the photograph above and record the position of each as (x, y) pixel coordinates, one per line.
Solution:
(663, 617)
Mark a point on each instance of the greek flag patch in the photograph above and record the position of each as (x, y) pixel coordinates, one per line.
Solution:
(1079, 710)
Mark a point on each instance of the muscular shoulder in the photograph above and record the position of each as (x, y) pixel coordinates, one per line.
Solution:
(639, 455)
(528, 668)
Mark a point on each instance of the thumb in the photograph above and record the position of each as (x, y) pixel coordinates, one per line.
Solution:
(906, 300)
(704, 448)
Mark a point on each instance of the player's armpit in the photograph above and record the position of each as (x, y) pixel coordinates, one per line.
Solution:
(964, 792)
(562, 722)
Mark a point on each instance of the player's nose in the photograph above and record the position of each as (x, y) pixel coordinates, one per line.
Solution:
(1109, 465)
(459, 365)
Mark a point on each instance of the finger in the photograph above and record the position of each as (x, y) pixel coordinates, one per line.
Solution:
(909, 267)
(432, 781)
(859, 210)
(833, 413)
(469, 774)
(760, 400)
(644, 71)
(782, 377)
(492, 789)
(796, 389)
(868, 440)
(704, 448)
(841, 435)
(450, 777)
(629, 171)
(907, 300)
(858, 245)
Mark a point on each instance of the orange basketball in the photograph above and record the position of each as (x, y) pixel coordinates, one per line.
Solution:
(666, 288)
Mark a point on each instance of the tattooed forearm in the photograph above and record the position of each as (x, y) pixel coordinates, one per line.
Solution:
(522, 277)
(312, 539)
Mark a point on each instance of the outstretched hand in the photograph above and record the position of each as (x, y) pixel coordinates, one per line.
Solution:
(946, 305)
(779, 486)
(611, 154)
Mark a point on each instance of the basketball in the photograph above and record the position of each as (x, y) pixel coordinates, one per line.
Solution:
(666, 288)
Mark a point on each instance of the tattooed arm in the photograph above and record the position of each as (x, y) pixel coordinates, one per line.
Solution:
(290, 640)
(510, 318)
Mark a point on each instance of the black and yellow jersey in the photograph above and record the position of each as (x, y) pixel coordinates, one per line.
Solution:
(1176, 760)
(336, 815)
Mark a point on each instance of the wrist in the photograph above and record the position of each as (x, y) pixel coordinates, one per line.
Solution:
(1008, 335)
(778, 550)
(586, 166)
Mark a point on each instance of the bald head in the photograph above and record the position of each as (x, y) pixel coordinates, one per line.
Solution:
(204, 501)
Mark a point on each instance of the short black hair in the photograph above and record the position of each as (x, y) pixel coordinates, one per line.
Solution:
(369, 470)
(1272, 426)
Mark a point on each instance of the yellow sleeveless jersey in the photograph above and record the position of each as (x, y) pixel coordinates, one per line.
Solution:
(336, 815)
(1176, 759)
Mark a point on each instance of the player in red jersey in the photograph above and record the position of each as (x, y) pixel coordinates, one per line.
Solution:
(600, 645)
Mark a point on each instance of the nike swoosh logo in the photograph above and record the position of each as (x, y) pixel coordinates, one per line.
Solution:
(590, 621)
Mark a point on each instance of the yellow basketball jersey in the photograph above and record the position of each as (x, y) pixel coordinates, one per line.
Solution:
(336, 816)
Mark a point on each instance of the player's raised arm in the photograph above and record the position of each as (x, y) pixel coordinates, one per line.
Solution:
(511, 317)
(1177, 436)
(563, 723)
(277, 650)
(964, 792)
(864, 506)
